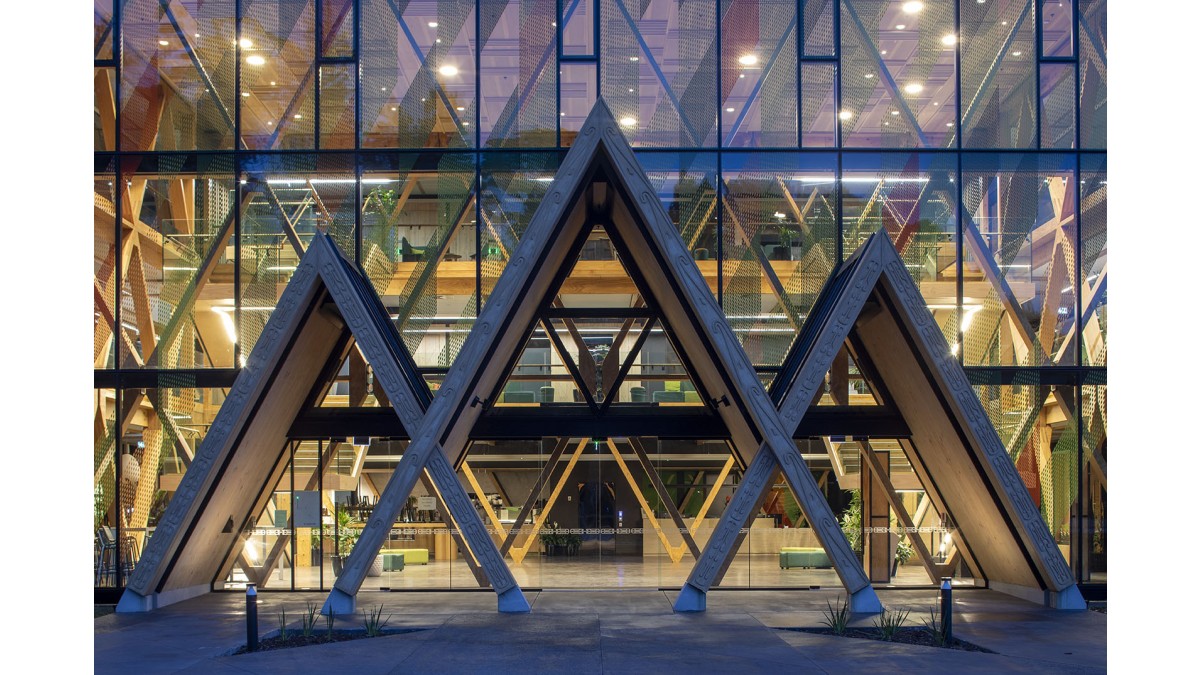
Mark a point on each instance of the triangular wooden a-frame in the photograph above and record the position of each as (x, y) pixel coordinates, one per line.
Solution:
(871, 305)
(601, 179)
(325, 305)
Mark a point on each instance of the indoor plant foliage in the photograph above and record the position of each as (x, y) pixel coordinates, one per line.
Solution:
(556, 543)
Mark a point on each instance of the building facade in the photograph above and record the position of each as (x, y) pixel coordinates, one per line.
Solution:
(422, 136)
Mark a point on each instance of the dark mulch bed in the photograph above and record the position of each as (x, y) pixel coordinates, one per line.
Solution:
(297, 639)
(907, 636)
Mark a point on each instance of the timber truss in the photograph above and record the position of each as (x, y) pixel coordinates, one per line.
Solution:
(870, 307)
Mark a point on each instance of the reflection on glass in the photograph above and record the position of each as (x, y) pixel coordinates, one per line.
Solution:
(897, 75)
(758, 82)
(1019, 251)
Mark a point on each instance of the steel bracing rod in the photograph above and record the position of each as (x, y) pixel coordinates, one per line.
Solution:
(675, 552)
(712, 494)
(662, 78)
(663, 494)
(609, 370)
(993, 69)
(501, 130)
(586, 366)
(560, 446)
(518, 552)
(793, 314)
(452, 528)
(423, 58)
(878, 471)
(697, 482)
(565, 356)
(888, 82)
(465, 468)
(737, 123)
(416, 284)
(1093, 294)
(987, 263)
(103, 34)
(627, 364)
(1097, 45)
(309, 75)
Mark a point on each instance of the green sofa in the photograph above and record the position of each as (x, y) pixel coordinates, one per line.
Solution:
(797, 556)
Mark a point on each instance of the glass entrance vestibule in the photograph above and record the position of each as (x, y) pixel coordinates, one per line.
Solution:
(593, 513)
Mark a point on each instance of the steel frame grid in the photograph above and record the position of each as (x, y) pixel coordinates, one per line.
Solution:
(121, 378)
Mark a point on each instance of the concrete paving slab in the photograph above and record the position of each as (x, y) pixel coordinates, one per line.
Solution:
(595, 632)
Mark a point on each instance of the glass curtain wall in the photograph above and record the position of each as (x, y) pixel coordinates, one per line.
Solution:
(422, 136)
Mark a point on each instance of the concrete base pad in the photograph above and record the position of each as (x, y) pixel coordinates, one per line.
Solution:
(1068, 598)
(512, 601)
(691, 599)
(132, 601)
(339, 603)
(864, 600)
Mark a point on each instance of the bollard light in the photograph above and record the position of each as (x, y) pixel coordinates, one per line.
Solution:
(251, 618)
(947, 609)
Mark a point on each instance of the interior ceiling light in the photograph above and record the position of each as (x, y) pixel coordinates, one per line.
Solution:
(255, 60)
(163, 43)
(628, 122)
(845, 115)
(245, 43)
(298, 116)
(633, 58)
(900, 26)
(869, 75)
(913, 88)
(912, 7)
(895, 112)
(448, 71)
(748, 60)
(1016, 53)
(729, 110)
(245, 93)
(433, 24)
(460, 108)
(949, 39)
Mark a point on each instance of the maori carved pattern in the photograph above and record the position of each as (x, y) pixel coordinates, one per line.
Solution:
(216, 444)
(470, 360)
(1004, 473)
(762, 411)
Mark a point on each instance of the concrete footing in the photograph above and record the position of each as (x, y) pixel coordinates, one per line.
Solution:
(339, 602)
(512, 601)
(691, 599)
(132, 602)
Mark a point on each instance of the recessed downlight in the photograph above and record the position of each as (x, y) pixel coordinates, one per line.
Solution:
(448, 71)
(628, 122)
(950, 39)
(845, 115)
(748, 59)
(255, 60)
(912, 7)
(245, 43)
(913, 88)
